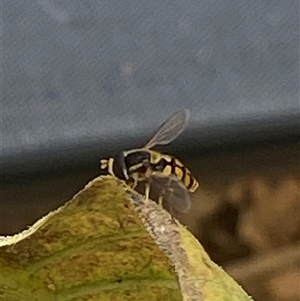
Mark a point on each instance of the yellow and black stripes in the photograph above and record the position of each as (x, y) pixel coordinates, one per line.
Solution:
(144, 163)
(169, 165)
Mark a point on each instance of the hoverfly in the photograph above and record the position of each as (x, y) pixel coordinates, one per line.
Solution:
(162, 172)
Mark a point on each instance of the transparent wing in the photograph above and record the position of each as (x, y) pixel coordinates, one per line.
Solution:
(170, 129)
(173, 191)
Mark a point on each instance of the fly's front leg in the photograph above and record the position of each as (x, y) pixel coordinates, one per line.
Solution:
(131, 182)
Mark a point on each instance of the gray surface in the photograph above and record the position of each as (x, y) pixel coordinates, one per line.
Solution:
(86, 73)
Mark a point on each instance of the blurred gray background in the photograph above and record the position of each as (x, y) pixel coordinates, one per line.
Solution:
(84, 79)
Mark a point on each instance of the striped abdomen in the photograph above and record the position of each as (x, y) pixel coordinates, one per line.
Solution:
(169, 165)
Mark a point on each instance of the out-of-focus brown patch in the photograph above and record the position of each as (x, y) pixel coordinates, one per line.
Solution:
(285, 286)
(248, 205)
(272, 219)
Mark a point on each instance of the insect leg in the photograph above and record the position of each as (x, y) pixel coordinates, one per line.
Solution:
(131, 182)
(160, 200)
(161, 197)
(167, 188)
(147, 188)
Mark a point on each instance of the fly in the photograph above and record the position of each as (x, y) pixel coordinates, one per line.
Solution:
(162, 172)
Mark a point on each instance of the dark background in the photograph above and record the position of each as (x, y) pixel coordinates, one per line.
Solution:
(83, 80)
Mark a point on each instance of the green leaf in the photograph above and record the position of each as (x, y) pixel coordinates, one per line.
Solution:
(109, 243)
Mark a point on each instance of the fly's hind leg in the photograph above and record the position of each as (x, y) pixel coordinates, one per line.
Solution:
(170, 209)
(160, 200)
(147, 189)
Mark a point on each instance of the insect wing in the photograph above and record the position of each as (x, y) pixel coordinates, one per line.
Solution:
(170, 129)
(173, 191)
